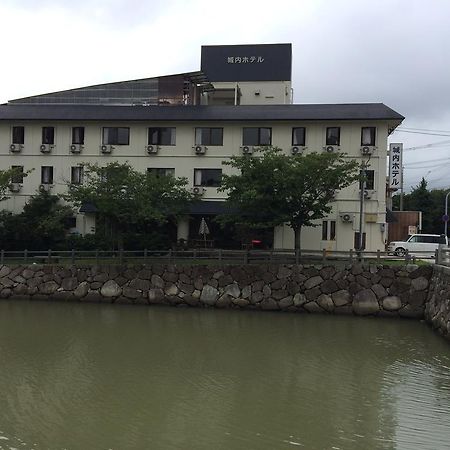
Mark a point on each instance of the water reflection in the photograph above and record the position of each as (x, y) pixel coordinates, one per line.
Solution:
(99, 376)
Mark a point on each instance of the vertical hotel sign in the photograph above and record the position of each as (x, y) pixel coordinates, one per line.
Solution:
(395, 166)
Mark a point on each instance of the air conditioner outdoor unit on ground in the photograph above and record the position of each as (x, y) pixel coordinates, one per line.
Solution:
(76, 148)
(45, 148)
(199, 149)
(45, 187)
(367, 150)
(152, 149)
(15, 187)
(346, 217)
(247, 150)
(16, 148)
(198, 190)
(331, 148)
(104, 148)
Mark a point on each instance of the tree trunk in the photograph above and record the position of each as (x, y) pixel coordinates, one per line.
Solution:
(297, 234)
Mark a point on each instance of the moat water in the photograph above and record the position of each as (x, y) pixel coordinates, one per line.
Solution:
(75, 376)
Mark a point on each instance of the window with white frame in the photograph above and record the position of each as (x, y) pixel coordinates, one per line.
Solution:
(18, 175)
(256, 136)
(298, 136)
(116, 136)
(76, 174)
(333, 136)
(207, 177)
(48, 135)
(161, 136)
(161, 171)
(328, 230)
(78, 135)
(46, 174)
(368, 136)
(18, 135)
(209, 136)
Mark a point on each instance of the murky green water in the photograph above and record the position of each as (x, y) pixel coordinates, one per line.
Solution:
(78, 376)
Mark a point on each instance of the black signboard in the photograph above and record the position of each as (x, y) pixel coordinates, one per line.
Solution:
(264, 62)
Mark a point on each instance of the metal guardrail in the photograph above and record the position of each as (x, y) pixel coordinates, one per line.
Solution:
(204, 256)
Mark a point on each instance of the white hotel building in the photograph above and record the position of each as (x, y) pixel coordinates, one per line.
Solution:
(187, 124)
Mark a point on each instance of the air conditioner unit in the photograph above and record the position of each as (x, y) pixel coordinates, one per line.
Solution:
(247, 150)
(45, 148)
(199, 149)
(15, 148)
(15, 187)
(106, 148)
(45, 187)
(297, 149)
(331, 148)
(198, 190)
(76, 148)
(346, 217)
(152, 149)
(367, 150)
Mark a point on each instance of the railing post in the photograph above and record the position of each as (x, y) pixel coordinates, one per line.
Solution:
(96, 257)
(297, 256)
(170, 256)
(121, 256)
(378, 255)
(72, 256)
(324, 255)
(351, 255)
(2, 256)
(49, 256)
(246, 256)
(25, 256)
(145, 256)
(220, 255)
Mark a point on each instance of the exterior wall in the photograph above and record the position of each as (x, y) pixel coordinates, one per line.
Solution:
(437, 311)
(353, 289)
(183, 159)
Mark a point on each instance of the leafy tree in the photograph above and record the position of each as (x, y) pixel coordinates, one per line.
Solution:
(275, 188)
(5, 181)
(128, 201)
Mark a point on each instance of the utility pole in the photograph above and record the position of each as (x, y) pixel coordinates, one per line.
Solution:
(446, 214)
(401, 190)
(362, 187)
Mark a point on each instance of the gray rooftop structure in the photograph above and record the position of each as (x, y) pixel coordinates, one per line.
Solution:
(306, 112)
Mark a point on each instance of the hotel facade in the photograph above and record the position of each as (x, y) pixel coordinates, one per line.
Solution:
(187, 124)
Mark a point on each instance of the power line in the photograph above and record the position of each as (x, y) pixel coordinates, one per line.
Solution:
(422, 132)
(423, 129)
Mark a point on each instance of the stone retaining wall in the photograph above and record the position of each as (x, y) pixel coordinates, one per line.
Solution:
(437, 311)
(354, 289)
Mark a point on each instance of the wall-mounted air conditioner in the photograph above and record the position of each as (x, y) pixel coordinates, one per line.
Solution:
(76, 148)
(199, 149)
(297, 149)
(367, 150)
(45, 187)
(198, 190)
(15, 148)
(331, 148)
(368, 194)
(106, 149)
(152, 149)
(346, 217)
(247, 150)
(46, 148)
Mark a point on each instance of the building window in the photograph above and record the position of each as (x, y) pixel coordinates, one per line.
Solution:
(116, 136)
(298, 136)
(257, 136)
(161, 172)
(18, 175)
(18, 135)
(329, 230)
(369, 176)
(161, 136)
(368, 136)
(48, 135)
(76, 175)
(207, 177)
(47, 175)
(209, 136)
(78, 135)
(333, 136)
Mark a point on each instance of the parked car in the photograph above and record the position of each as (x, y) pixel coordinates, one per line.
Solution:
(418, 245)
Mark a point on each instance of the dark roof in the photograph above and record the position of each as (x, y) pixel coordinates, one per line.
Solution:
(209, 207)
(349, 111)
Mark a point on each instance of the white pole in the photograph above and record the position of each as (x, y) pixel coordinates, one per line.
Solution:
(446, 212)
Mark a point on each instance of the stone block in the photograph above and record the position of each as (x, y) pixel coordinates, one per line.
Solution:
(157, 281)
(156, 296)
(325, 302)
(341, 298)
(313, 282)
(209, 295)
(110, 289)
(379, 290)
(269, 304)
(391, 303)
(329, 286)
(419, 283)
(365, 302)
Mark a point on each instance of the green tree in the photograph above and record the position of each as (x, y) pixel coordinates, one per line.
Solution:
(128, 201)
(6, 177)
(275, 188)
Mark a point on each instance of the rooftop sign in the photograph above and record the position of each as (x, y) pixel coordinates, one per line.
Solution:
(265, 62)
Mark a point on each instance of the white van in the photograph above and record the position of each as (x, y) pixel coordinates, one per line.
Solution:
(418, 244)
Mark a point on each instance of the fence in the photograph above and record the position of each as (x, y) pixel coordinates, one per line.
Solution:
(443, 255)
(205, 256)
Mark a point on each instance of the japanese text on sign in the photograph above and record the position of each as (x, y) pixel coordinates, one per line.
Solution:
(244, 59)
(395, 165)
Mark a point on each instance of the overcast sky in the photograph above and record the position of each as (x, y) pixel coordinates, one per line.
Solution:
(390, 51)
